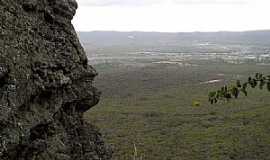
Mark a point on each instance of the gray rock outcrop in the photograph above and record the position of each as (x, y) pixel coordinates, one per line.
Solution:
(45, 85)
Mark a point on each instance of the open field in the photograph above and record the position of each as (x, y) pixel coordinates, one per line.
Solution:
(157, 103)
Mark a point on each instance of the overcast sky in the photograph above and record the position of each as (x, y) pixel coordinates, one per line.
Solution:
(172, 15)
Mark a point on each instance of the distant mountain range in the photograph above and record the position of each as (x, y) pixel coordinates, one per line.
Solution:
(112, 38)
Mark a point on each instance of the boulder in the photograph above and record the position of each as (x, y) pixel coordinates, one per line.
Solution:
(46, 84)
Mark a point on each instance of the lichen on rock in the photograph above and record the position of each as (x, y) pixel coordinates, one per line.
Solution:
(46, 85)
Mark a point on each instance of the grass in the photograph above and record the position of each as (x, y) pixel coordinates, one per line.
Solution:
(153, 109)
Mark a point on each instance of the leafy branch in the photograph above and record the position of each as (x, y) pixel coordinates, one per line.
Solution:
(233, 91)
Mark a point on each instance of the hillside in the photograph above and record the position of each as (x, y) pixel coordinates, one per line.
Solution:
(109, 38)
(155, 94)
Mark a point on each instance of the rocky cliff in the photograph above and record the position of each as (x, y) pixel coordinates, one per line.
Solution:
(45, 85)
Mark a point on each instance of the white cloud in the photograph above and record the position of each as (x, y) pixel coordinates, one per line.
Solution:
(118, 2)
(207, 2)
(172, 15)
(154, 2)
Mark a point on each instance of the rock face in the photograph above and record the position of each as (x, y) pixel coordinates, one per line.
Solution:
(45, 85)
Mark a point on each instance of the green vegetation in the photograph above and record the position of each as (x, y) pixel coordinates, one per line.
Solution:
(228, 92)
(163, 110)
